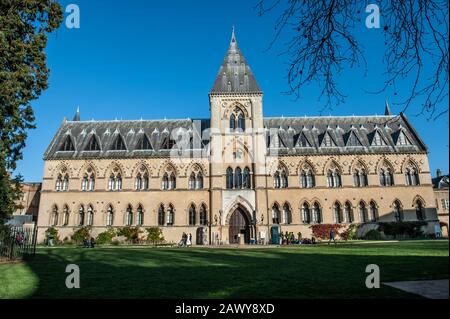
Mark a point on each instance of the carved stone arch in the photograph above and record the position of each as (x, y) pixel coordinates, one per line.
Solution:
(90, 205)
(167, 165)
(106, 207)
(366, 204)
(275, 203)
(303, 164)
(316, 200)
(384, 162)
(372, 200)
(304, 200)
(235, 144)
(280, 165)
(63, 168)
(409, 161)
(396, 200)
(357, 161)
(141, 205)
(332, 163)
(418, 198)
(192, 167)
(288, 204)
(231, 107)
(338, 202)
(243, 204)
(137, 167)
(111, 166)
(86, 165)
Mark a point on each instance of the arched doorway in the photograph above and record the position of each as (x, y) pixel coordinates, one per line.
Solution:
(239, 225)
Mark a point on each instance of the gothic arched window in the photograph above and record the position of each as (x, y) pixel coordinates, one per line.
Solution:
(229, 178)
(411, 176)
(109, 216)
(348, 213)
(337, 213)
(238, 178)
(398, 211)
(161, 215)
(81, 216)
(192, 215)
(55, 216)
(247, 178)
(203, 215)
(373, 211)
(66, 216)
(90, 219)
(287, 216)
(241, 122)
(170, 216)
(420, 212)
(140, 216)
(275, 214)
(316, 213)
(306, 214)
(363, 212)
(232, 122)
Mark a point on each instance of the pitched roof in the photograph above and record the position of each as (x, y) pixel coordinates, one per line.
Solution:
(340, 128)
(441, 182)
(235, 75)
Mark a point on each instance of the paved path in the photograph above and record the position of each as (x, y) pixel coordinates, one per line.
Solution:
(432, 289)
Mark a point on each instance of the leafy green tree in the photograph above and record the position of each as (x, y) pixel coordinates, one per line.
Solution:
(155, 235)
(24, 25)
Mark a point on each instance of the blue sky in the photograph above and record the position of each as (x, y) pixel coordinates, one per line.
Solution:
(158, 59)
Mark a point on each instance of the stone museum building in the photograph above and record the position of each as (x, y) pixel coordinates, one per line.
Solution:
(237, 176)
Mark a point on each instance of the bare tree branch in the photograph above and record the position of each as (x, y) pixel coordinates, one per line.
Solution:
(323, 44)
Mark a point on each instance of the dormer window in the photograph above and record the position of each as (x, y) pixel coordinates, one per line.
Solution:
(92, 144)
(119, 144)
(67, 145)
(144, 143)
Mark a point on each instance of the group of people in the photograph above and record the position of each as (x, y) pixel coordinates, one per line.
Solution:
(186, 240)
(289, 238)
(89, 242)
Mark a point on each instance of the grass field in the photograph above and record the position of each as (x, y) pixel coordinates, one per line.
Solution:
(318, 271)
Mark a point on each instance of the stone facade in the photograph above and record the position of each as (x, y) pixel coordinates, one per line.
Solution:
(441, 188)
(237, 176)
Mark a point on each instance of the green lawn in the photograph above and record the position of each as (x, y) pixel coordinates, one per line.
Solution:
(319, 271)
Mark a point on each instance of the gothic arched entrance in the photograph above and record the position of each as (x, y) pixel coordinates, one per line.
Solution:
(239, 225)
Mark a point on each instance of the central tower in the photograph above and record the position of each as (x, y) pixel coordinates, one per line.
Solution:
(237, 153)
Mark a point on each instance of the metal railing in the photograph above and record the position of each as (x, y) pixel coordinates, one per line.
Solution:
(17, 242)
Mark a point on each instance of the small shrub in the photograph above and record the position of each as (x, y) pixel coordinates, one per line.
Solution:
(373, 234)
(155, 235)
(105, 237)
(350, 232)
(130, 233)
(323, 230)
(81, 234)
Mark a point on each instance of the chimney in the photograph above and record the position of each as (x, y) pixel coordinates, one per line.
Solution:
(438, 173)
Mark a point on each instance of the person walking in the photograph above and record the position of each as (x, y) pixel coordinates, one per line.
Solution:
(189, 241)
(332, 237)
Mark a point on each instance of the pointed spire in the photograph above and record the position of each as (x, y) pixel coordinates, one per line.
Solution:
(233, 36)
(76, 117)
(235, 75)
(387, 110)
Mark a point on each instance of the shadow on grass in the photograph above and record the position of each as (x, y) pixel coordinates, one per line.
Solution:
(300, 272)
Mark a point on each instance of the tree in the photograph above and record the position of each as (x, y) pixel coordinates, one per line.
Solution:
(322, 43)
(24, 25)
